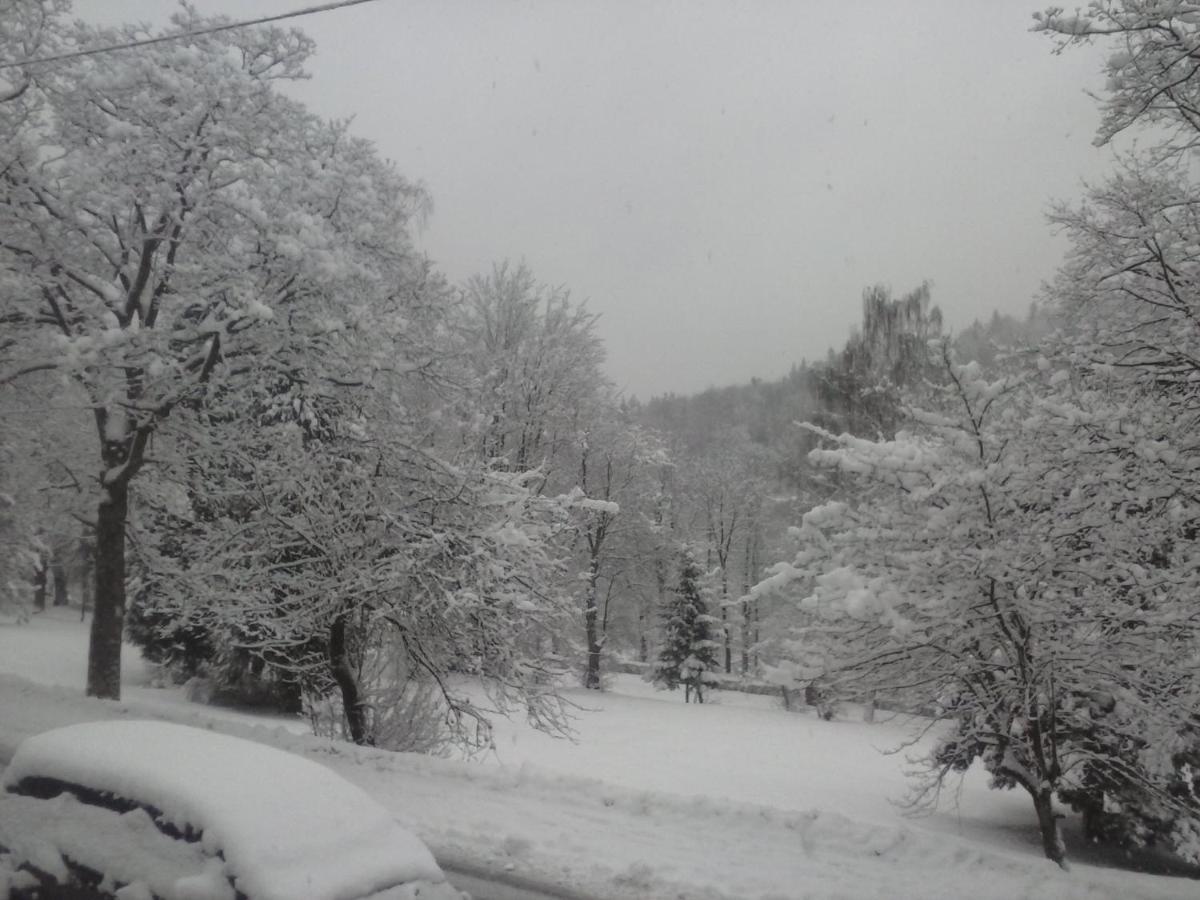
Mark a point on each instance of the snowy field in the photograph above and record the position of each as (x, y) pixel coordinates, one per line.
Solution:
(733, 800)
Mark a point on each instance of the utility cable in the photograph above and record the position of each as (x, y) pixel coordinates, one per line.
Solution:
(227, 26)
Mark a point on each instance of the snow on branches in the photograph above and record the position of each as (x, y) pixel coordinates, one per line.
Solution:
(1021, 562)
(1151, 72)
(193, 235)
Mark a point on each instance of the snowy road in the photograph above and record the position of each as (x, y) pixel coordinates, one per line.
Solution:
(482, 884)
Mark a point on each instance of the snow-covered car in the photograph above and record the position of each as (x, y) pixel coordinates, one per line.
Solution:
(137, 810)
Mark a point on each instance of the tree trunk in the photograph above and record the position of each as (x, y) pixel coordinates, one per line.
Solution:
(591, 677)
(58, 566)
(745, 639)
(108, 619)
(1052, 842)
(726, 636)
(39, 583)
(643, 646)
(757, 636)
(747, 583)
(343, 673)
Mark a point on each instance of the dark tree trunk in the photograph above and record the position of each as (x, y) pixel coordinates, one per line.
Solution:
(342, 669)
(757, 636)
(747, 583)
(726, 636)
(643, 646)
(591, 625)
(108, 619)
(1052, 842)
(745, 638)
(39, 583)
(591, 677)
(58, 566)
(726, 639)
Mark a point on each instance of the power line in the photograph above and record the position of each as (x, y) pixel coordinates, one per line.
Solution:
(212, 29)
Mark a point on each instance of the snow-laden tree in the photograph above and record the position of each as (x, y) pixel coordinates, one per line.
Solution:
(48, 509)
(1021, 563)
(536, 362)
(614, 499)
(859, 388)
(177, 232)
(724, 488)
(691, 636)
(1129, 285)
(1151, 69)
(539, 401)
(366, 568)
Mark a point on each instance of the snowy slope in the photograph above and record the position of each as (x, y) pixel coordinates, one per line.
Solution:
(656, 800)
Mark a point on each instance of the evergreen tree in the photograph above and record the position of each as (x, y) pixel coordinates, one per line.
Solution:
(691, 637)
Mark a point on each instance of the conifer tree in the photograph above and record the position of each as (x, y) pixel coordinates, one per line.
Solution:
(691, 636)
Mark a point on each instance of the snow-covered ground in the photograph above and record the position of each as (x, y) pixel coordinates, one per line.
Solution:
(735, 799)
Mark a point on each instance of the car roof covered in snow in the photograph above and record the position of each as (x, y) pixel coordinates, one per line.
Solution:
(287, 827)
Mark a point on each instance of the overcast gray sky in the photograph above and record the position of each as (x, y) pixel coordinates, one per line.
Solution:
(718, 180)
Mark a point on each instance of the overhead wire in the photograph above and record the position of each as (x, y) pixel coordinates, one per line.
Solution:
(177, 36)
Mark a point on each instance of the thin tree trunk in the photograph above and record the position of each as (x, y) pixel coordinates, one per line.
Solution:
(39, 582)
(343, 673)
(757, 636)
(58, 567)
(727, 637)
(745, 639)
(1052, 842)
(727, 640)
(108, 619)
(747, 580)
(591, 677)
(643, 646)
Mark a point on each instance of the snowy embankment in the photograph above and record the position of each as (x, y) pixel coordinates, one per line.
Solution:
(656, 800)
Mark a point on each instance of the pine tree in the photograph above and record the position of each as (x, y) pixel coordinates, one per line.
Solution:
(691, 636)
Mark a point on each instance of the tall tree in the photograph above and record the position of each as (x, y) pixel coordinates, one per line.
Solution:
(726, 485)
(543, 404)
(196, 233)
(614, 494)
(859, 388)
(1130, 281)
(537, 361)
